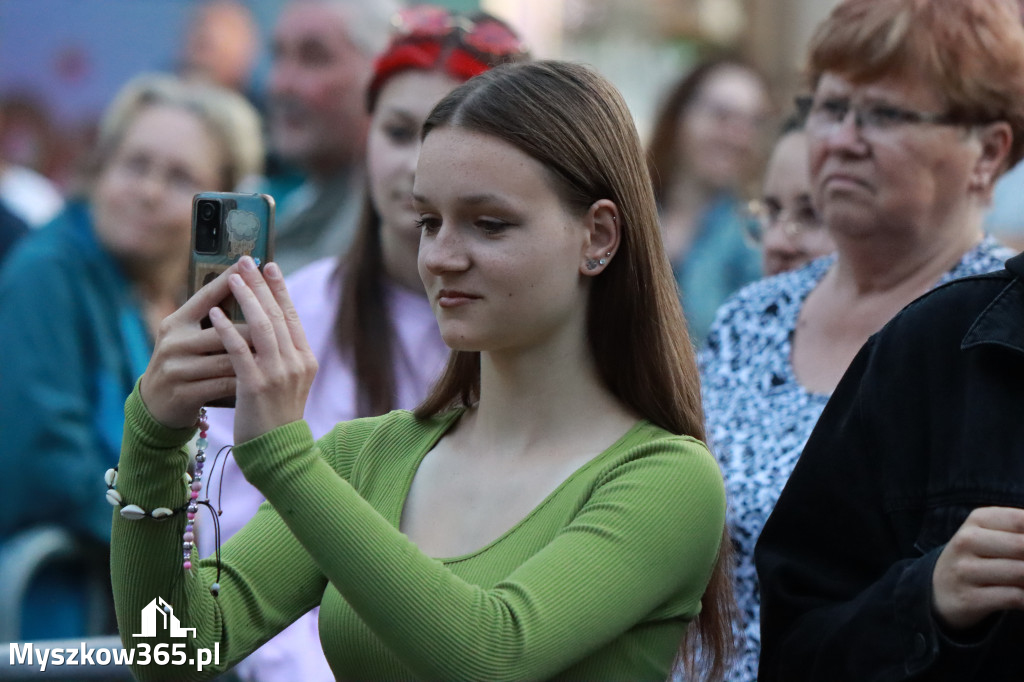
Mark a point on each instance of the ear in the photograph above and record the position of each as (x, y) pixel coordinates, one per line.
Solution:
(994, 140)
(602, 237)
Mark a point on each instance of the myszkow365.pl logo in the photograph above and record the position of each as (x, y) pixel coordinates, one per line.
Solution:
(156, 616)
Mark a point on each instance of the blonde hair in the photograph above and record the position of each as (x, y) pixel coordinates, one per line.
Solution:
(230, 118)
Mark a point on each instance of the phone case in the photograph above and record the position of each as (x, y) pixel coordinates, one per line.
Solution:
(243, 226)
(246, 229)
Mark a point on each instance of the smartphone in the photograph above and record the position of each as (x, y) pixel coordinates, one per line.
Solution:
(225, 227)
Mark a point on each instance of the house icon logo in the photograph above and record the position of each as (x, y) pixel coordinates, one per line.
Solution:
(160, 610)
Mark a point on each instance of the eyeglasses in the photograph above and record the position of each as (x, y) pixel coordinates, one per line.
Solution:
(768, 215)
(825, 116)
(484, 34)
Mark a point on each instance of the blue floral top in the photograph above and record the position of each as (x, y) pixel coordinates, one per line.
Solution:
(759, 417)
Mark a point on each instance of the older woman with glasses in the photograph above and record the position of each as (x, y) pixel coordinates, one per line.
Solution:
(787, 227)
(916, 110)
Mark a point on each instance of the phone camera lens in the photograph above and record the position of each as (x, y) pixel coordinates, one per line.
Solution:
(207, 226)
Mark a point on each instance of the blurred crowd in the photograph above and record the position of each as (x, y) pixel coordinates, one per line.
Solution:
(795, 232)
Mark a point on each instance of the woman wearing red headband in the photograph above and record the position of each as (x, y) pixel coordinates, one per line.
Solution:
(366, 315)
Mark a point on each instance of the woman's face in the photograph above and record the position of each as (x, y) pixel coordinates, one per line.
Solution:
(792, 232)
(142, 200)
(721, 127)
(392, 149)
(903, 178)
(500, 253)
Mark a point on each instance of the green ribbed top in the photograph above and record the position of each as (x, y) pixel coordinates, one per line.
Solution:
(598, 582)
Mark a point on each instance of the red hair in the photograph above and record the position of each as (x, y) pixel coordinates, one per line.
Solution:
(970, 51)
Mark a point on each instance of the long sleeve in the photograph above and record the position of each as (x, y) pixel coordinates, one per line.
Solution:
(263, 588)
(640, 549)
(847, 557)
(654, 521)
(419, 357)
(830, 587)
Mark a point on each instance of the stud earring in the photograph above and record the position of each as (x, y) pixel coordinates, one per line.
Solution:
(592, 264)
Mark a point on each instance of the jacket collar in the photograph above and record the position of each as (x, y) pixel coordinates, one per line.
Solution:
(1002, 321)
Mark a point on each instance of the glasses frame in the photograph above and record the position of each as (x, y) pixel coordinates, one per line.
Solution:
(760, 223)
(866, 120)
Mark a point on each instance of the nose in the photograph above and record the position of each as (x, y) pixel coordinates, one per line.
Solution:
(847, 133)
(777, 239)
(744, 125)
(151, 185)
(443, 251)
(412, 157)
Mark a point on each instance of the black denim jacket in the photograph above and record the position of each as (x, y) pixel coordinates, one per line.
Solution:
(926, 425)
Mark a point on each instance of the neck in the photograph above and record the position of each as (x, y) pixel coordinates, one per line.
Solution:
(549, 394)
(160, 285)
(681, 212)
(878, 263)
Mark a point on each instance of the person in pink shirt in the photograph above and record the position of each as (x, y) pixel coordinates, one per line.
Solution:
(366, 314)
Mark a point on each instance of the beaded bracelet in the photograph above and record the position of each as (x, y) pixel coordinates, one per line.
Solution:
(134, 512)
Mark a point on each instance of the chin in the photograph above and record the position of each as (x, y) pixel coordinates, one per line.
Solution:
(465, 340)
(457, 341)
(771, 268)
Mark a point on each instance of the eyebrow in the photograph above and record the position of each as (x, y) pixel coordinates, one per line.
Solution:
(469, 200)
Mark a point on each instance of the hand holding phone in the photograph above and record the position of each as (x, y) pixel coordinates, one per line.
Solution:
(225, 227)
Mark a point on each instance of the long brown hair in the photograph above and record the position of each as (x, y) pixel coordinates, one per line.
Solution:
(363, 331)
(577, 125)
(362, 328)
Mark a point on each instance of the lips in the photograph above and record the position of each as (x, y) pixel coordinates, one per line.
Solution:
(453, 298)
(844, 180)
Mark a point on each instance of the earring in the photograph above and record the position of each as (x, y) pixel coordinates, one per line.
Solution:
(592, 264)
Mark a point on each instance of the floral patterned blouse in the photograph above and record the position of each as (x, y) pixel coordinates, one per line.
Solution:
(759, 417)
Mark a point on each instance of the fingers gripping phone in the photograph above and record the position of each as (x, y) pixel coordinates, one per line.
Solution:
(225, 227)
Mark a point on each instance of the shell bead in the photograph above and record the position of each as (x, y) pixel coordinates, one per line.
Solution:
(114, 498)
(133, 512)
